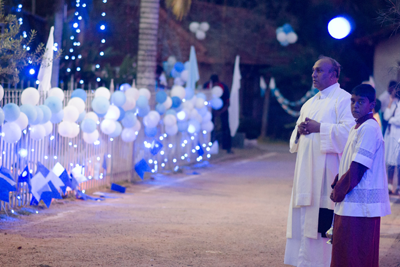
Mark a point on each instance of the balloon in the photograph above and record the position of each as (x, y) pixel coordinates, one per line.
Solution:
(169, 120)
(171, 60)
(81, 117)
(54, 104)
(200, 35)
(78, 103)
(11, 112)
(207, 117)
(174, 74)
(182, 115)
(217, 91)
(194, 114)
(58, 117)
(128, 135)
(124, 86)
(216, 103)
(150, 121)
(39, 117)
(199, 103)
(1, 92)
(176, 102)
(57, 92)
(171, 111)
(194, 26)
(22, 121)
(79, 93)
(71, 114)
(171, 130)
(207, 126)
(161, 96)
(46, 113)
(182, 126)
(74, 130)
(184, 75)
(108, 126)
(112, 113)
(30, 112)
(92, 115)
(143, 111)
(201, 95)
(189, 93)
(160, 108)
(11, 132)
(1, 116)
(103, 92)
(100, 104)
(118, 98)
(129, 104)
(121, 114)
(178, 91)
(178, 81)
(202, 111)
(204, 26)
(179, 67)
(145, 92)
(137, 126)
(30, 96)
(281, 37)
(88, 125)
(48, 128)
(168, 103)
(194, 126)
(188, 105)
(90, 138)
(37, 132)
(287, 28)
(291, 37)
(132, 93)
(150, 132)
(117, 131)
(142, 102)
(65, 128)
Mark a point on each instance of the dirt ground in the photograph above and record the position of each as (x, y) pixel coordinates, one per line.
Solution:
(230, 213)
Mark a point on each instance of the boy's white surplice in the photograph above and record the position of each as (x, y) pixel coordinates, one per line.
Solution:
(317, 164)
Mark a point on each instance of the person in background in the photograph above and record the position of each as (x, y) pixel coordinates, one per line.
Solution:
(360, 190)
(377, 112)
(392, 136)
(222, 113)
(385, 99)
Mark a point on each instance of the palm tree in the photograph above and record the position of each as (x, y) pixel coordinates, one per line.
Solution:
(148, 32)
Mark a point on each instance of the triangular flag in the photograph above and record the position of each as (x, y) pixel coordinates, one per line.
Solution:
(141, 167)
(46, 65)
(25, 176)
(7, 184)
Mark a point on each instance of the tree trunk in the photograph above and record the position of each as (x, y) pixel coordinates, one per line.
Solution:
(58, 30)
(148, 34)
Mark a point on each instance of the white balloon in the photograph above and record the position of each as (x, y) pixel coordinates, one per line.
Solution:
(171, 130)
(188, 105)
(178, 81)
(193, 114)
(65, 128)
(200, 35)
(30, 96)
(217, 91)
(207, 126)
(199, 103)
(169, 120)
(107, 126)
(48, 128)
(151, 120)
(11, 132)
(132, 93)
(102, 91)
(92, 115)
(112, 113)
(171, 60)
(194, 26)
(184, 75)
(178, 91)
(292, 37)
(281, 37)
(145, 92)
(128, 135)
(207, 117)
(130, 103)
(75, 130)
(204, 26)
(90, 138)
(78, 103)
(22, 121)
(183, 114)
(168, 103)
(57, 92)
(71, 113)
(198, 118)
(1, 92)
(37, 132)
(137, 126)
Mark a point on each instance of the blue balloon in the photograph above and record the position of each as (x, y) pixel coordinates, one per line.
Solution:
(143, 111)
(118, 98)
(11, 112)
(100, 105)
(287, 28)
(117, 131)
(284, 43)
(124, 86)
(179, 67)
(170, 111)
(54, 104)
(142, 102)
(1, 116)
(30, 112)
(161, 96)
(189, 93)
(79, 93)
(100, 115)
(160, 108)
(46, 113)
(129, 120)
(88, 126)
(202, 111)
(201, 95)
(216, 103)
(279, 30)
(58, 117)
(121, 114)
(39, 117)
(176, 101)
(182, 126)
(150, 132)
(175, 74)
(81, 117)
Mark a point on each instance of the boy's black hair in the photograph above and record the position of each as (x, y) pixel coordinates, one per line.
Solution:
(365, 90)
(378, 106)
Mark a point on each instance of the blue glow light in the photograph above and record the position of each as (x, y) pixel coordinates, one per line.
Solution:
(66, 57)
(101, 53)
(75, 25)
(103, 41)
(68, 70)
(103, 14)
(98, 79)
(339, 28)
(32, 71)
(103, 27)
(97, 66)
(71, 50)
(78, 69)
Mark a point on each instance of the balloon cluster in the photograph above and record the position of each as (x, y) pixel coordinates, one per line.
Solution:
(199, 29)
(286, 35)
(177, 70)
(216, 101)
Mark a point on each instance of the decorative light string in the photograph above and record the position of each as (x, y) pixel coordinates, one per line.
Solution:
(286, 104)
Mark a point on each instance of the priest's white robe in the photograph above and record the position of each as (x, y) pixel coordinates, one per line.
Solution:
(317, 164)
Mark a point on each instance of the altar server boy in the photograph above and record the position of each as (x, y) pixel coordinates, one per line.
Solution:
(360, 190)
